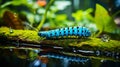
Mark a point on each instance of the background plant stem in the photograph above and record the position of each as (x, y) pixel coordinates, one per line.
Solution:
(44, 17)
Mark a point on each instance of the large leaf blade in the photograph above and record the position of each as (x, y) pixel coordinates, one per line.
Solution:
(103, 20)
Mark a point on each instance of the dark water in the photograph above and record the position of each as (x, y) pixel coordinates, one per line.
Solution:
(67, 63)
(13, 61)
(9, 59)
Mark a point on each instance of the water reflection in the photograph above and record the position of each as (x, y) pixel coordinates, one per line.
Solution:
(9, 59)
(64, 57)
(65, 62)
(37, 63)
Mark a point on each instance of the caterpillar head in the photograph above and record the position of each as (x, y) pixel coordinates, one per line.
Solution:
(42, 34)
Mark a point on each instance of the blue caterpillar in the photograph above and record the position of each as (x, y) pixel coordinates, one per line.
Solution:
(68, 31)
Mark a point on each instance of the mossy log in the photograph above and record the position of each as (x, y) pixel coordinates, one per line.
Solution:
(86, 43)
(30, 36)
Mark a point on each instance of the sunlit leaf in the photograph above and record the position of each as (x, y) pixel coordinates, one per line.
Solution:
(104, 21)
(14, 2)
(77, 15)
(61, 17)
(83, 15)
(6, 4)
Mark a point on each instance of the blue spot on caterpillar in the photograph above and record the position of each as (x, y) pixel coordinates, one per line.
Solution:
(68, 31)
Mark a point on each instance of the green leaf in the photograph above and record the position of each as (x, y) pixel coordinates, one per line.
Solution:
(30, 18)
(6, 4)
(14, 2)
(61, 17)
(78, 15)
(103, 20)
(83, 15)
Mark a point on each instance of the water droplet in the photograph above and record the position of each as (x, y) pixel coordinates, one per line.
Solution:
(11, 30)
(105, 38)
(113, 54)
(11, 49)
(102, 61)
(97, 52)
(117, 55)
(74, 50)
(36, 51)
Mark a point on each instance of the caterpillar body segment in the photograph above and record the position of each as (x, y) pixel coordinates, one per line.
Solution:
(66, 32)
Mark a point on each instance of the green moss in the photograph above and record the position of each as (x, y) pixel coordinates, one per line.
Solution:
(98, 44)
(27, 35)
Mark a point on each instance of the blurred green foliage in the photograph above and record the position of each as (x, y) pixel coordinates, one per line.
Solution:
(84, 18)
(102, 22)
(15, 3)
(83, 15)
